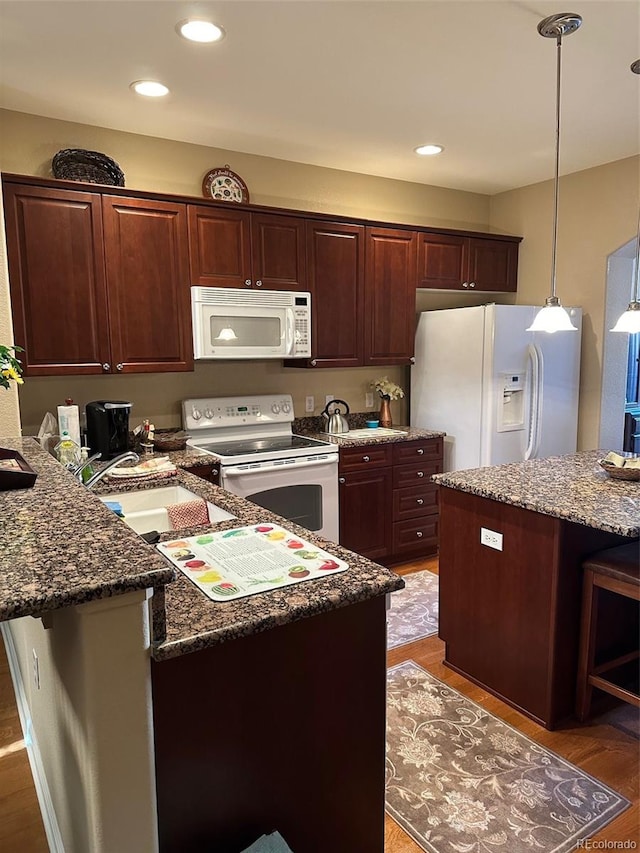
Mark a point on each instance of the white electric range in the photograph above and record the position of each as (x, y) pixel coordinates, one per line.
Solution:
(262, 460)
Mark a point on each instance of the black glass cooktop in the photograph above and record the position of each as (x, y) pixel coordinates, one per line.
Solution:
(259, 445)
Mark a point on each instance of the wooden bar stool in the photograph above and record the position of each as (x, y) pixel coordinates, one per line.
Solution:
(617, 570)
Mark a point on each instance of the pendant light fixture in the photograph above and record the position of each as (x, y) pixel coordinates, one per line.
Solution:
(630, 320)
(553, 317)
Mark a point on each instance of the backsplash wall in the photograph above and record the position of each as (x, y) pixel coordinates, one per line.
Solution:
(159, 396)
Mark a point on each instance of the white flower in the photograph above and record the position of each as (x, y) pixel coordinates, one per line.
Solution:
(386, 388)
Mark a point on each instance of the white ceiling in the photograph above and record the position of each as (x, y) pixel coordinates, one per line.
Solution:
(349, 85)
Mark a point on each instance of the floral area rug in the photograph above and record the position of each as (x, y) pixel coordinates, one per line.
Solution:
(414, 610)
(459, 780)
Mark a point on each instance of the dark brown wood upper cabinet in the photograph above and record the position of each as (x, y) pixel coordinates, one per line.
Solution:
(389, 304)
(456, 262)
(147, 270)
(336, 281)
(97, 282)
(235, 248)
(57, 279)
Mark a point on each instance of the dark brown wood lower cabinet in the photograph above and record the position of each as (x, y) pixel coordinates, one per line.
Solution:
(388, 504)
(283, 730)
(510, 618)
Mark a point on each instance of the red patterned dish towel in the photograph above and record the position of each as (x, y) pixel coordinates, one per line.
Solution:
(188, 514)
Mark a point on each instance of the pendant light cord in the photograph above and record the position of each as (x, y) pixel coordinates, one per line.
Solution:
(554, 248)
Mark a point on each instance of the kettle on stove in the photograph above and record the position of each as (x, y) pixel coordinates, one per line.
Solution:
(337, 422)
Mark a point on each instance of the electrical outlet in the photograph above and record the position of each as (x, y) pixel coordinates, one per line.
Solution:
(368, 400)
(35, 670)
(491, 538)
(309, 404)
(328, 398)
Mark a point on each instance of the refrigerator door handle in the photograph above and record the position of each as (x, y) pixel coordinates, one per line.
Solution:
(535, 357)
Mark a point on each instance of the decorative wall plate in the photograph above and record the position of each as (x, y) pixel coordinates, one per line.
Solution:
(222, 184)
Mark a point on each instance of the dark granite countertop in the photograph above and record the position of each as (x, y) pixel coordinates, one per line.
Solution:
(312, 427)
(65, 547)
(59, 545)
(573, 487)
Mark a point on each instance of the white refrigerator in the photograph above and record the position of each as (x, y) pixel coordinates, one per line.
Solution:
(501, 394)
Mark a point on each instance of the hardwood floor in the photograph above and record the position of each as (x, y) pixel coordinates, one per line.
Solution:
(607, 748)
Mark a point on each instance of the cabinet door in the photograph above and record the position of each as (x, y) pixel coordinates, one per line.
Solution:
(442, 261)
(336, 281)
(147, 270)
(219, 247)
(56, 275)
(493, 265)
(278, 252)
(390, 285)
(365, 512)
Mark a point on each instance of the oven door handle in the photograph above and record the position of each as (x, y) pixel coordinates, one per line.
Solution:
(238, 472)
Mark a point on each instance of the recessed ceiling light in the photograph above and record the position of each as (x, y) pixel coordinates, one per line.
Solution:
(149, 88)
(426, 150)
(196, 29)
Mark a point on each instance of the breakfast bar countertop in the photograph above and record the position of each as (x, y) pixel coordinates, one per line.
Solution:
(61, 546)
(572, 487)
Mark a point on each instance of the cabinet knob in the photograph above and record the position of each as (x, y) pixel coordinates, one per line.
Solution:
(420, 451)
(412, 359)
(259, 283)
(465, 284)
(342, 480)
(247, 281)
(419, 534)
(419, 501)
(420, 473)
(215, 472)
(366, 459)
(314, 361)
(106, 366)
(120, 366)
(472, 284)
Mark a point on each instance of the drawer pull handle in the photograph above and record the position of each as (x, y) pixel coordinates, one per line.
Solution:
(366, 459)
(419, 451)
(419, 501)
(419, 534)
(420, 473)
(342, 480)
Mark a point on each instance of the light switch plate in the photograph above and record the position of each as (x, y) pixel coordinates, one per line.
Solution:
(309, 404)
(368, 400)
(328, 398)
(491, 538)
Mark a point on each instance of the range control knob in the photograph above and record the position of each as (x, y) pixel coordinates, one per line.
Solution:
(196, 414)
(208, 413)
(275, 408)
(286, 407)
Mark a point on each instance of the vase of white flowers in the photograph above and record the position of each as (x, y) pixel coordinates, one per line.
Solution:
(388, 391)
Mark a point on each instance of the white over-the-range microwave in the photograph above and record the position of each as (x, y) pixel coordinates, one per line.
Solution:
(231, 323)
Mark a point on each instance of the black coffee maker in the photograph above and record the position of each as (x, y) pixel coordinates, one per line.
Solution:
(108, 427)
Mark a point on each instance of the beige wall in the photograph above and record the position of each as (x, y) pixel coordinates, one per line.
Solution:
(598, 210)
(27, 145)
(91, 720)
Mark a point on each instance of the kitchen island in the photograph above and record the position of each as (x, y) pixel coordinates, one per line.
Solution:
(513, 538)
(190, 724)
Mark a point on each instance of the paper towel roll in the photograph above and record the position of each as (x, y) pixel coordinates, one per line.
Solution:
(69, 420)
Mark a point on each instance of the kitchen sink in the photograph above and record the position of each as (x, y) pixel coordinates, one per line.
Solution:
(145, 510)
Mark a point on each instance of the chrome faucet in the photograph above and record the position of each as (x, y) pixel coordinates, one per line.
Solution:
(77, 471)
(124, 457)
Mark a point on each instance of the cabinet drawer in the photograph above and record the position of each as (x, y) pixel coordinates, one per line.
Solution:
(412, 475)
(361, 458)
(415, 501)
(416, 535)
(414, 451)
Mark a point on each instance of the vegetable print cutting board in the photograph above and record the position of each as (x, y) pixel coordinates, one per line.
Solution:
(239, 562)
